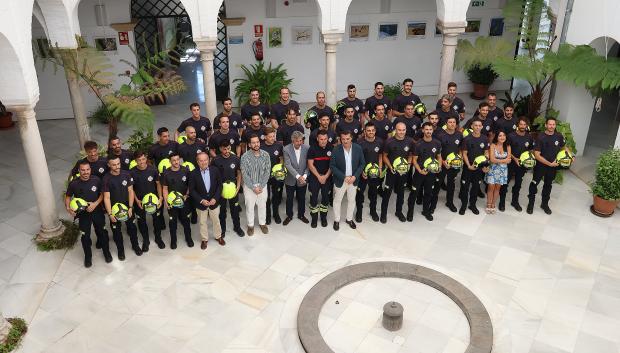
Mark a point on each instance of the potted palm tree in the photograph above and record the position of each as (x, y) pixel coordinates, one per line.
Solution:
(482, 77)
(606, 185)
(6, 118)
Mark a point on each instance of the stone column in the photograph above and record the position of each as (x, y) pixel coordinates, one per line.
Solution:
(75, 94)
(39, 173)
(450, 37)
(207, 51)
(331, 41)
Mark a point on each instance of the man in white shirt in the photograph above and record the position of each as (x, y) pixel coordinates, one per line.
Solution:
(346, 164)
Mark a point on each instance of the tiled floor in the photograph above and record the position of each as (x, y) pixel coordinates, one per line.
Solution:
(550, 283)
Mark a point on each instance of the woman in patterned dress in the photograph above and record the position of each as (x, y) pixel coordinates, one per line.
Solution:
(498, 173)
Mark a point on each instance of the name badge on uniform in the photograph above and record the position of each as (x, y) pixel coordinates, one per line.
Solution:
(527, 144)
(275, 153)
(198, 151)
(557, 142)
(434, 150)
(203, 128)
(377, 149)
(357, 108)
(387, 127)
(124, 183)
(262, 137)
(355, 131)
(94, 188)
(455, 107)
(232, 166)
(150, 178)
(481, 145)
(494, 118)
(329, 153)
(406, 148)
(183, 178)
(126, 160)
(101, 170)
(235, 123)
(232, 141)
(456, 142)
(488, 127)
(329, 139)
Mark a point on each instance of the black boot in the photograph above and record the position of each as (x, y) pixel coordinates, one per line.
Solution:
(502, 203)
(315, 219)
(410, 215)
(323, 219)
(276, 218)
(268, 216)
(515, 203)
(358, 215)
(545, 207)
(159, 241)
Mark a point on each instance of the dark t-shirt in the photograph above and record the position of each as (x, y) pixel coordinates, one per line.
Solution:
(450, 143)
(202, 126)
(235, 121)
(188, 152)
(278, 110)
(117, 186)
(413, 124)
(372, 150)
(475, 146)
(401, 100)
(354, 126)
(228, 167)
(249, 131)
(285, 131)
(383, 127)
(158, 152)
(98, 168)
(505, 125)
(326, 110)
(520, 144)
(88, 190)
(175, 180)
(331, 137)
(232, 136)
(372, 101)
(549, 145)
(395, 148)
(443, 116)
(457, 105)
(487, 125)
(426, 149)
(321, 158)
(356, 104)
(495, 114)
(144, 181)
(247, 110)
(274, 150)
(125, 158)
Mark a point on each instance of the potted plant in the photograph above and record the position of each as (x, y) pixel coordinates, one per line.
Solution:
(6, 118)
(606, 185)
(482, 77)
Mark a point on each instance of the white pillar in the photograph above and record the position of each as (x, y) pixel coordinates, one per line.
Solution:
(207, 53)
(450, 38)
(331, 41)
(5, 327)
(77, 103)
(37, 165)
(617, 144)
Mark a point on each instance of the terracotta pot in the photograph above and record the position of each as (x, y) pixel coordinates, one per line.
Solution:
(6, 120)
(480, 91)
(602, 207)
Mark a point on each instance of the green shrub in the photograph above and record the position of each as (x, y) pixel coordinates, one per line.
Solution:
(267, 80)
(140, 140)
(65, 241)
(482, 75)
(391, 91)
(101, 114)
(13, 339)
(606, 182)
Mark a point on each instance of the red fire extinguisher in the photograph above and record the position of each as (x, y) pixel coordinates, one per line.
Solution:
(257, 47)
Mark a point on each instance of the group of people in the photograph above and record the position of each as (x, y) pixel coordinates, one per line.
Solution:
(358, 149)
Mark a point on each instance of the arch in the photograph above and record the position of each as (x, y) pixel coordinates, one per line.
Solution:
(452, 11)
(333, 15)
(61, 22)
(13, 88)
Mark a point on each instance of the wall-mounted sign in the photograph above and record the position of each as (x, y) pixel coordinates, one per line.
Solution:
(123, 38)
(477, 3)
(258, 31)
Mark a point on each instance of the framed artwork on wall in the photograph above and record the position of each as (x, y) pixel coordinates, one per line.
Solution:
(388, 31)
(359, 32)
(302, 35)
(416, 29)
(235, 39)
(105, 44)
(473, 26)
(497, 27)
(275, 37)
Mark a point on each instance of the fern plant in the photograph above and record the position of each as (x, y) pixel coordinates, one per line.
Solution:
(268, 80)
(392, 91)
(140, 140)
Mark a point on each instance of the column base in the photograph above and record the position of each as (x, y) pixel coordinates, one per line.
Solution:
(48, 234)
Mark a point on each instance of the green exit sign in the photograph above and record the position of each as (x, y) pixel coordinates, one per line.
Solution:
(477, 3)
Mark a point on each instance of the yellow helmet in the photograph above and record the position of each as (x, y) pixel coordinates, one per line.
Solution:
(181, 139)
(432, 165)
(372, 170)
(310, 115)
(564, 159)
(150, 202)
(527, 160)
(133, 164)
(120, 212)
(481, 162)
(189, 165)
(420, 109)
(466, 132)
(454, 160)
(278, 172)
(163, 165)
(229, 190)
(78, 205)
(400, 165)
(175, 199)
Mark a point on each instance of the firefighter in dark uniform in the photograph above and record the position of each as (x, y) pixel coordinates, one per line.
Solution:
(191, 146)
(352, 101)
(286, 129)
(225, 133)
(399, 146)
(98, 165)
(520, 141)
(163, 148)
(410, 119)
(118, 188)
(405, 97)
(377, 98)
(274, 186)
(88, 188)
(321, 109)
(451, 140)
(474, 145)
(255, 107)
(456, 103)
(253, 128)
(332, 138)
(423, 178)
(382, 122)
(115, 148)
(146, 181)
(483, 116)
(201, 124)
(507, 123)
(319, 180)
(372, 147)
(235, 121)
(348, 123)
(547, 146)
(280, 109)
(175, 178)
(445, 110)
(228, 165)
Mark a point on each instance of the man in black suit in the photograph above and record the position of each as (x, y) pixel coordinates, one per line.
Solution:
(205, 189)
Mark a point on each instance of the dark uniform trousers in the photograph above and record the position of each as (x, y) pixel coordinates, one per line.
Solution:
(425, 184)
(117, 233)
(192, 211)
(516, 172)
(546, 174)
(274, 196)
(397, 183)
(449, 175)
(373, 186)
(234, 212)
(324, 189)
(141, 218)
(470, 184)
(300, 192)
(179, 214)
(97, 219)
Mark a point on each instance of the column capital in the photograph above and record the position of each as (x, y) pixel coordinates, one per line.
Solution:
(206, 44)
(451, 28)
(332, 38)
(21, 109)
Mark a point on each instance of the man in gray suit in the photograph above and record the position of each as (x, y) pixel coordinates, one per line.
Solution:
(295, 157)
